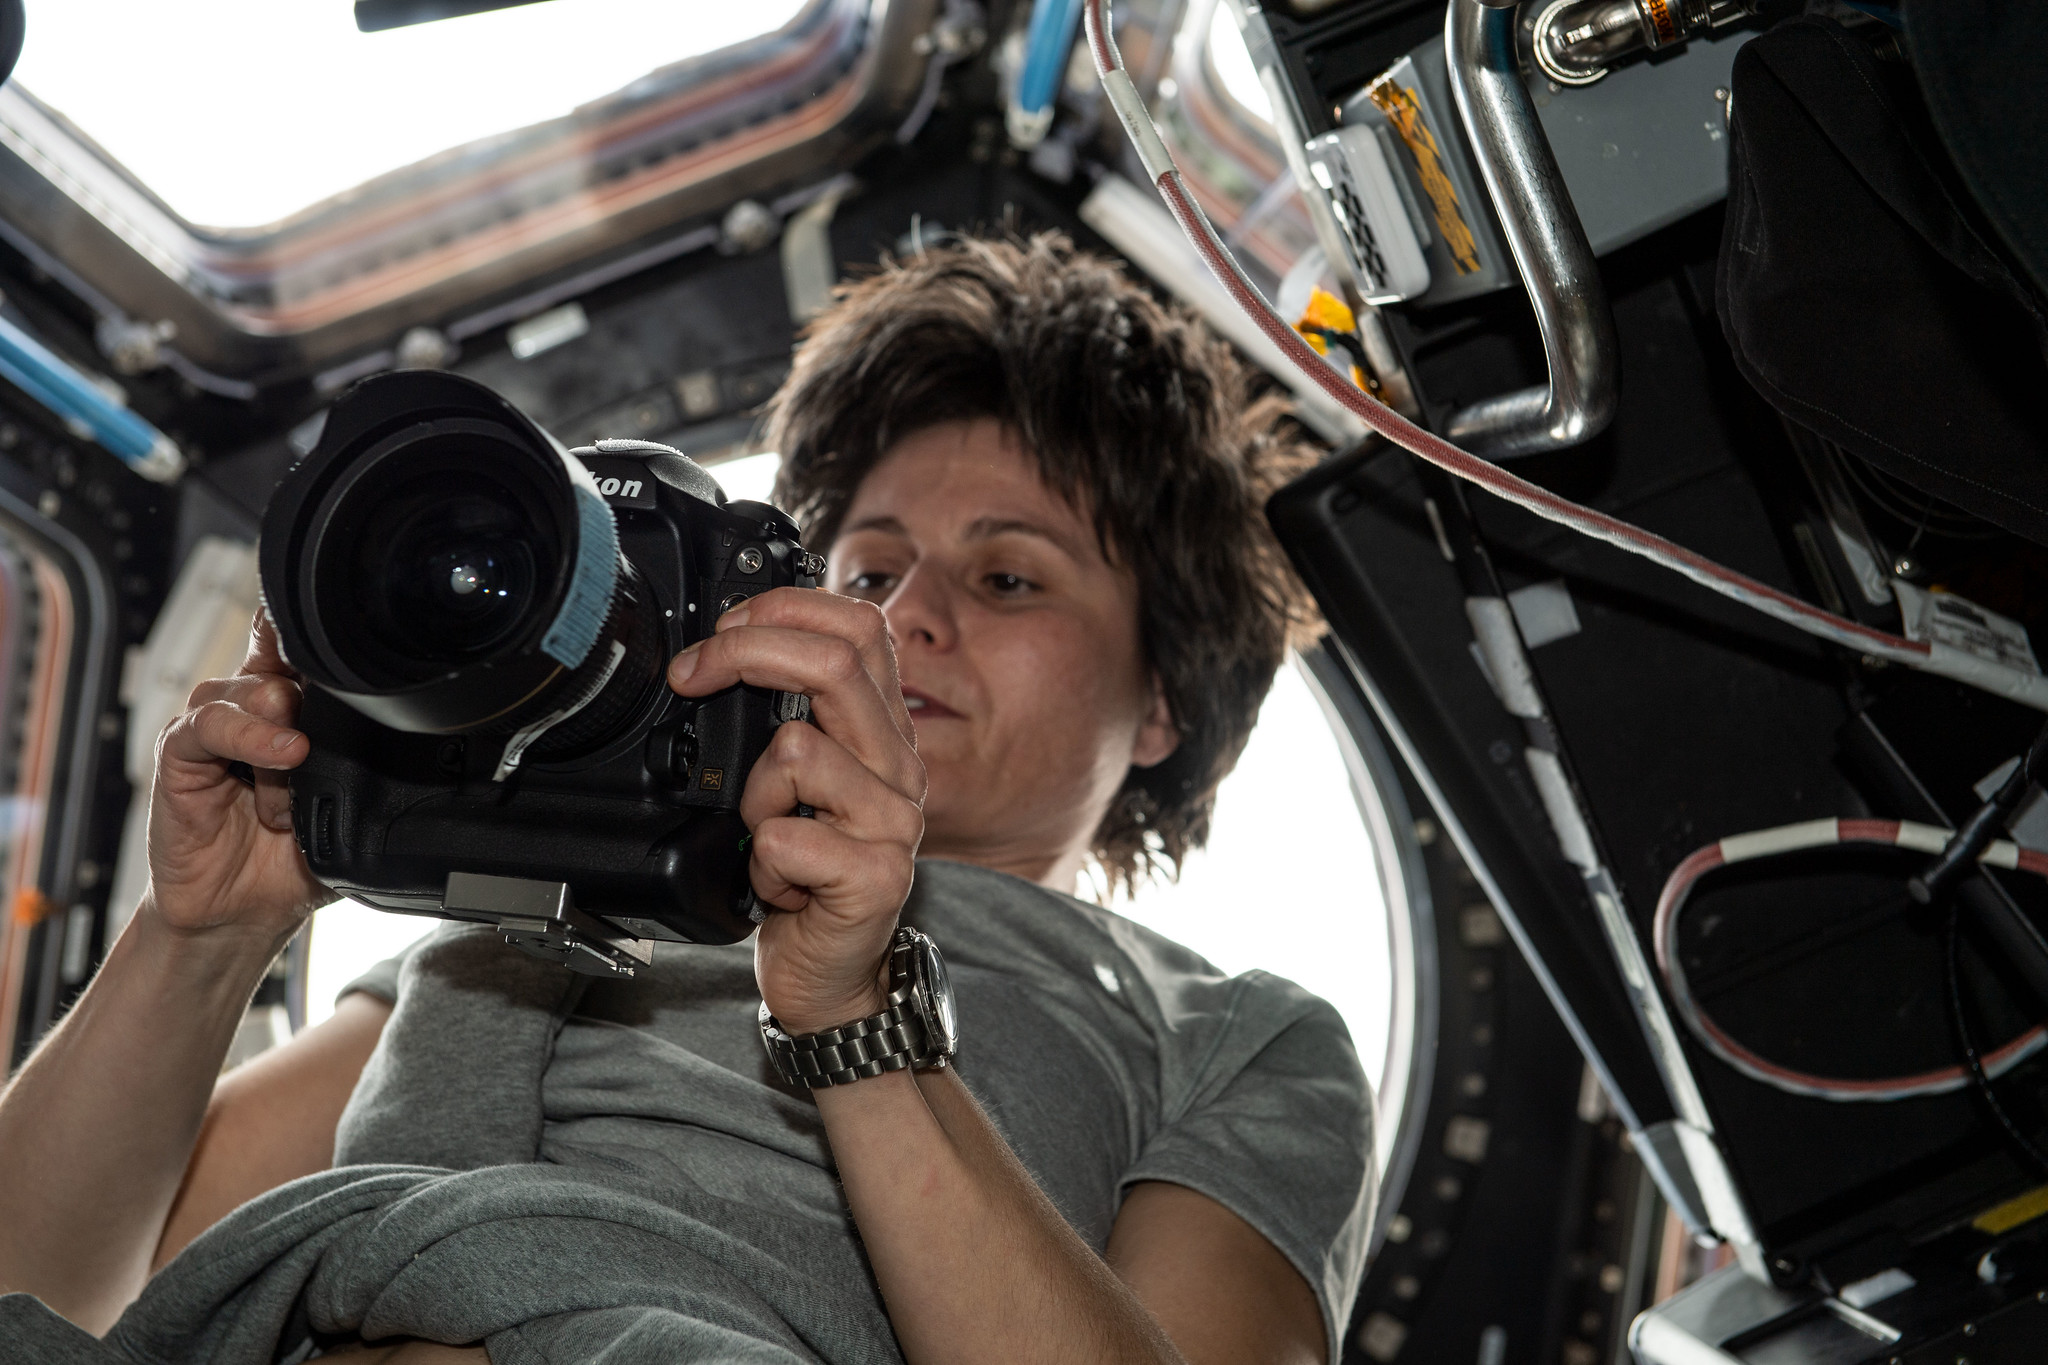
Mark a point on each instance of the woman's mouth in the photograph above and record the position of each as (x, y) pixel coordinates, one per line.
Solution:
(925, 707)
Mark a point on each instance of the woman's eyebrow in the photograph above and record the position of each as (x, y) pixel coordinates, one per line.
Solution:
(885, 524)
(984, 528)
(987, 528)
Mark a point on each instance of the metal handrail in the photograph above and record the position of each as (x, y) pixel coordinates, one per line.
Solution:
(1548, 243)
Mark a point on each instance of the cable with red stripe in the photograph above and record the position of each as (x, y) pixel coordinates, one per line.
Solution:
(1742, 848)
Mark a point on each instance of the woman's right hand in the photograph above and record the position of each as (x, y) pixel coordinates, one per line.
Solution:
(222, 856)
(105, 1113)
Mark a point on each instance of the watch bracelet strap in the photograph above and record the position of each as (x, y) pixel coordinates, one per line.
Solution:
(893, 1040)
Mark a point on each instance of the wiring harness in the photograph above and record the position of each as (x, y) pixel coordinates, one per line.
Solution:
(1932, 657)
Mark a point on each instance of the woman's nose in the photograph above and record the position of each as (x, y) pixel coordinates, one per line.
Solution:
(921, 609)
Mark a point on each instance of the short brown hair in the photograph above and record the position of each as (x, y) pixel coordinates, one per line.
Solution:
(1137, 415)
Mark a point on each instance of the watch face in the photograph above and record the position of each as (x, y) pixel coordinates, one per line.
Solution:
(940, 991)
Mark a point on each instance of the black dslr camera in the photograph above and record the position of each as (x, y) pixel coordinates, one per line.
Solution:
(487, 619)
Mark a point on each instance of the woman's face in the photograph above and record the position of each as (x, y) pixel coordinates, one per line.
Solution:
(1018, 645)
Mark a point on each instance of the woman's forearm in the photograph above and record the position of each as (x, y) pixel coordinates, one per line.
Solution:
(973, 1261)
(96, 1130)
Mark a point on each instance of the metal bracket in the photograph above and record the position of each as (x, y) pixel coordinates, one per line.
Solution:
(809, 267)
(1548, 243)
(541, 918)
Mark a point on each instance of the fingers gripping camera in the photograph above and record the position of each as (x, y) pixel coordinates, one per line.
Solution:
(485, 619)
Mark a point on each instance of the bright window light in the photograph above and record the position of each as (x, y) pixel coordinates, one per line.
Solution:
(1233, 62)
(238, 113)
(750, 478)
(349, 938)
(1289, 882)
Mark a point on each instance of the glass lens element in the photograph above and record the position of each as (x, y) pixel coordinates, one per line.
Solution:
(449, 573)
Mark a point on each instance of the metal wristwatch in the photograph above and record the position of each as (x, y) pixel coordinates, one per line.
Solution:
(917, 1029)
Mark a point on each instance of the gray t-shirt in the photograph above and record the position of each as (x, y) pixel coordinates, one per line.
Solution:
(1106, 1055)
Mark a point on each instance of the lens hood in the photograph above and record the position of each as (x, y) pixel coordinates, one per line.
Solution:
(437, 561)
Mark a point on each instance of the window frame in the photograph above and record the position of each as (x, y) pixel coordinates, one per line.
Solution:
(72, 577)
(434, 243)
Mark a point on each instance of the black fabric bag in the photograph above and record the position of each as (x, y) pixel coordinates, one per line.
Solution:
(1979, 65)
(1858, 289)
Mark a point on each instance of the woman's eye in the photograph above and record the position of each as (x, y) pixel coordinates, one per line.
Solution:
(1009, 584)
(871, 584)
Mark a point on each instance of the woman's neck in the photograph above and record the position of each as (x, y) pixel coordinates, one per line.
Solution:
(1054, 869)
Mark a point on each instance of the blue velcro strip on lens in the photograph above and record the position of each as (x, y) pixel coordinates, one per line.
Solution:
(590, 589)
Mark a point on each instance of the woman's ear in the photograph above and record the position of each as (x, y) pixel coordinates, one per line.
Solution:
(1157, 735)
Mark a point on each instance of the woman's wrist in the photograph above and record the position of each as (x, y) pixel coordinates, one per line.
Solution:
(818, 1016)
(230, 956)
(809, 996)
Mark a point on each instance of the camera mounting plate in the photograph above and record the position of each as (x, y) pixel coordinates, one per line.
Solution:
(541, 918)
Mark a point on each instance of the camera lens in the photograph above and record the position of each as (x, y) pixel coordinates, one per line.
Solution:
(471, 570)
(441, 564)
(448, 575)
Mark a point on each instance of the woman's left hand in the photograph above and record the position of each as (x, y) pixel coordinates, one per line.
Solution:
(844, 874)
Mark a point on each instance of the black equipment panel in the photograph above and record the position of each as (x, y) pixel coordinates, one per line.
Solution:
(1685, 718)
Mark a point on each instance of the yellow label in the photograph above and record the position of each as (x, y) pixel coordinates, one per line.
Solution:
(1404, 112)
(1328, 313)
(1660, 19)
(1327, 310)
(2013, 1212)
